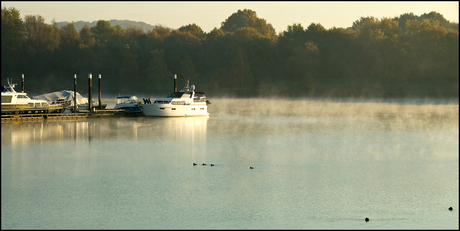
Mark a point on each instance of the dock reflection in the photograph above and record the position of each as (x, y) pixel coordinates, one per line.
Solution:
(189, 128)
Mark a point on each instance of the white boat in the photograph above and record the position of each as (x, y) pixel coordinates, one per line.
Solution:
(186, 102)
(129, 103)
(66, 98)
(19, 103)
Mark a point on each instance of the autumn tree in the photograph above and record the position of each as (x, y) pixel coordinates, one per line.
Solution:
(156, 74)
(193, 29)
(40, 46)
(188, 70)
(128, 73)
(41, 36)
(13, 37)
(69, 48)
(293, 37)
(177, 46)
(12, 30)
(159, 33)
(248, 18)
(102, 32)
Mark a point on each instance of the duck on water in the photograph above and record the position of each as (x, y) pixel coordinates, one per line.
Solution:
(186, 102)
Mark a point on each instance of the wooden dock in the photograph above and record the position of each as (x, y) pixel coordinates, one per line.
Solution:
(82, 114)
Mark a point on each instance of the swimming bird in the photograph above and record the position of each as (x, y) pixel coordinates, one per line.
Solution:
(251, 168)
(194, 164)
(204, 164)
(367, 219)
(450, 208)
(212, 164)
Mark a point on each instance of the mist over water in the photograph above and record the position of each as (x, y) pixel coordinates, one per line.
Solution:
(317, 164)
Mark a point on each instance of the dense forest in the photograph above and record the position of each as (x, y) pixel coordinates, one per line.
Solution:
(405, 56)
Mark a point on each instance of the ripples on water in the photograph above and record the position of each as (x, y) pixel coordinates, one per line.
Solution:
(317, 165)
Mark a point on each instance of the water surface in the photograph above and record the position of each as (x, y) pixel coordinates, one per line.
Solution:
(316, 165)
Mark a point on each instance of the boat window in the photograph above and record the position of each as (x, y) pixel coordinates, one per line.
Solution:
(193, 109)
(178, 102)
(130, 101)
(175, 95)
(31, 104)
(127, 99)
(22, 97)
(45, 104)
(186, 95)
(173, 109)
(201, 108)
(161, 101)
(6, 99)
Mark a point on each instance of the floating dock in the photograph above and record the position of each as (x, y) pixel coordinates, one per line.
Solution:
(82, 114)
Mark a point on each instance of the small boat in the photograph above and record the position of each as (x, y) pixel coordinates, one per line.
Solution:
(186, 102)
(129, 103)
(19, 103)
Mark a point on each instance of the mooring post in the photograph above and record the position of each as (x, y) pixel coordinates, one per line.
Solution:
(100, 100)
(90, 89)
(75, 93)
(175, 83)
(22, 81)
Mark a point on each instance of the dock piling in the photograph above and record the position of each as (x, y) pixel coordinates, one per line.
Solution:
(100, 99)
(22, 83)
(75, 93)
(175, 83)
(90, 89)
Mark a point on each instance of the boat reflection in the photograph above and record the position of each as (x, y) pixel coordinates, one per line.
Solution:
(143, 128)
(175, 128)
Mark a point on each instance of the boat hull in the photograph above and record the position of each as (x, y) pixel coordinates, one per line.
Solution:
(25, 109)
(130, 109)
(168, 110)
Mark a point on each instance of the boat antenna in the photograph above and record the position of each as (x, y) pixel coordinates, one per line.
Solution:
(10, 82)
(187, 86)
(11, 85)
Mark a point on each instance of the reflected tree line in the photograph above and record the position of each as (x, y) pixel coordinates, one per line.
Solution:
(405, 56)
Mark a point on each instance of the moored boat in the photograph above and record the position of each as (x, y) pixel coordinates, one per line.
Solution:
(66, 98)
(186, 102)
(128, 103)
(19, 103)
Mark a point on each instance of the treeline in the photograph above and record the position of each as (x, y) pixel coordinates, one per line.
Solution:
(123, 23)
(405, 56)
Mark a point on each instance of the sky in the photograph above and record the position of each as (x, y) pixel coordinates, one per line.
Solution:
(208, 15)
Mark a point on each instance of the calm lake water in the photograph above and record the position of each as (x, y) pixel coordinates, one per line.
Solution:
(316, 165)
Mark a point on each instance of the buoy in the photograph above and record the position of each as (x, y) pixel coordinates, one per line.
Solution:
(367, 219)
(212, 164)
(450, 208)
(194, 164)
(204, 164)
(251, 168)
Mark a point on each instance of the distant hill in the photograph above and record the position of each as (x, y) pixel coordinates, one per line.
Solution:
(123, 23)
